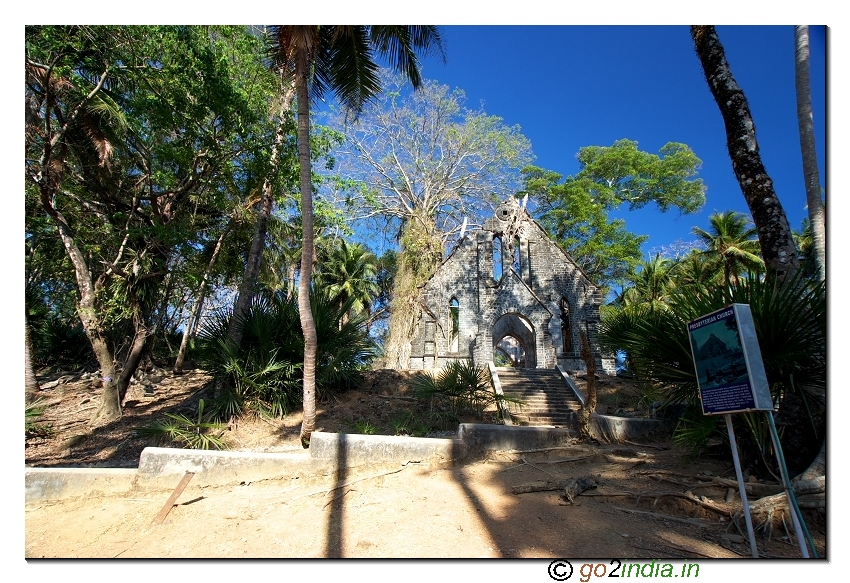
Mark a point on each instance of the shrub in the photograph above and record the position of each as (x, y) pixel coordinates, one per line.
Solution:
(458, 388)
(197, 433)
(263, 374)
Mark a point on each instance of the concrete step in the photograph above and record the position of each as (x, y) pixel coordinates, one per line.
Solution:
(547, 399)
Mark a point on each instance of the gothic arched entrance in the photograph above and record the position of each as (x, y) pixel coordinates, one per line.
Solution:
(514, 339)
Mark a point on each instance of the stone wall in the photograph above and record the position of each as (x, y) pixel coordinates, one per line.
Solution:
(538, 283)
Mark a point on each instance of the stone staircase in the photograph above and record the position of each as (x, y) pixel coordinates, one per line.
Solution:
(548, 399)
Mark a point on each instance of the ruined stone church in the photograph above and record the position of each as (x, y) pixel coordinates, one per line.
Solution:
(508, 294)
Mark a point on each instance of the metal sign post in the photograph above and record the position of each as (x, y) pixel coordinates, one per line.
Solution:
(731, 378)
(742, 489)
(789, 490)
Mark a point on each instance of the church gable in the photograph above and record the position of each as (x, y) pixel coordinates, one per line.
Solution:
(507, 267)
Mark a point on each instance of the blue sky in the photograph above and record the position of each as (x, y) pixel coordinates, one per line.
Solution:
(575, 86)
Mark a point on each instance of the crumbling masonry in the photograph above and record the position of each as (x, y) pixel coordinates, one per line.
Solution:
(508, 294)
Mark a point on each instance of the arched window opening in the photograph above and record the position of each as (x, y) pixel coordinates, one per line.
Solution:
(516, 259)
(566, 328)
(454, 324)
(497, 258)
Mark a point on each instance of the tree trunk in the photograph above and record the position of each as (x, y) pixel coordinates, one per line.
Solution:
(199, 302)
(110, 407)
(420, 255)
(134, 357)
(30, 382)
(807, 147)
(308, 326)
(258, 243)
(589, 406)
(777, 244)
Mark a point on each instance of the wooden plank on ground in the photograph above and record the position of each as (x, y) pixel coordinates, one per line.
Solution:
(173, 498)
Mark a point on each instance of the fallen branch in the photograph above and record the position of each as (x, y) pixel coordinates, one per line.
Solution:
(752, 488)
(690, 521)
(540, 486)
(658, 447)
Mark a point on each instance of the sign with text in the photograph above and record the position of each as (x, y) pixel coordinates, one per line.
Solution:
(730, 371)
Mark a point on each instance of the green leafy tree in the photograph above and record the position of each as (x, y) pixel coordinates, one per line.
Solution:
(576, 210)
(348, 273)
(131, 133)
(602, 247)
(340, 59)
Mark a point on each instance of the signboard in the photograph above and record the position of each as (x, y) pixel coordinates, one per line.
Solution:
(730, 371)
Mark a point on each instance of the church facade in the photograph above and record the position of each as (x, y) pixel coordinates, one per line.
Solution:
(508, 294)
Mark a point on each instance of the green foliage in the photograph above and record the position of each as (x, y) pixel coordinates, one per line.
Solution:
(199, 433)
(790, 323)
(365, 427)
(623, 174)
(144, 168)
(694, 430)
(32, 413)
(576, 211)
(604, 249)
(347, 272)
(458, 388)
(731, 246)
(263, 374)
(60, 344)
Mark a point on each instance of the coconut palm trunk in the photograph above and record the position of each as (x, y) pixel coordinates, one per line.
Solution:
(308, 326)
(814, 202)
(340, 59)
(774, 232)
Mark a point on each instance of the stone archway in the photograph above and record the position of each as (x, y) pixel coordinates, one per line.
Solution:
(516, 330)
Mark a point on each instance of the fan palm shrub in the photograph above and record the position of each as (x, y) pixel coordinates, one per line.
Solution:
(460, 387)
(262, 375)
(198, 433)
(790, 322)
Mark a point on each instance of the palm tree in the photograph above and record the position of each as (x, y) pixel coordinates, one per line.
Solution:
(777, 244)
(652, 284)
(807, 147)
(731, 245)
(349, 273)
(693, 272)
(339, 59)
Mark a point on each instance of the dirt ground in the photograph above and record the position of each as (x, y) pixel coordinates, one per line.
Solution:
(649, 501)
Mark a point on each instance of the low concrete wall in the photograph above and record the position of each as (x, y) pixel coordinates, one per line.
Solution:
(483, 437)
(57, 483)
(344, 449)
(163, 466)
(608, 428)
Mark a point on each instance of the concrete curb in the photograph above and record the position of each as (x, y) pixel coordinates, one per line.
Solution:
(162, 467)
(58, 483)
(355, 449)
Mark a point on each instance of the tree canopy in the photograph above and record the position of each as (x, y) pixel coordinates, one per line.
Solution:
(576, 211)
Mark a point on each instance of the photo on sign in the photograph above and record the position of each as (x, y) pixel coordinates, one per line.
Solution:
(718, 354)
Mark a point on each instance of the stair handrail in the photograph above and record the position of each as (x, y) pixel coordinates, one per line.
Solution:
(497, 389)
(571, 384)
